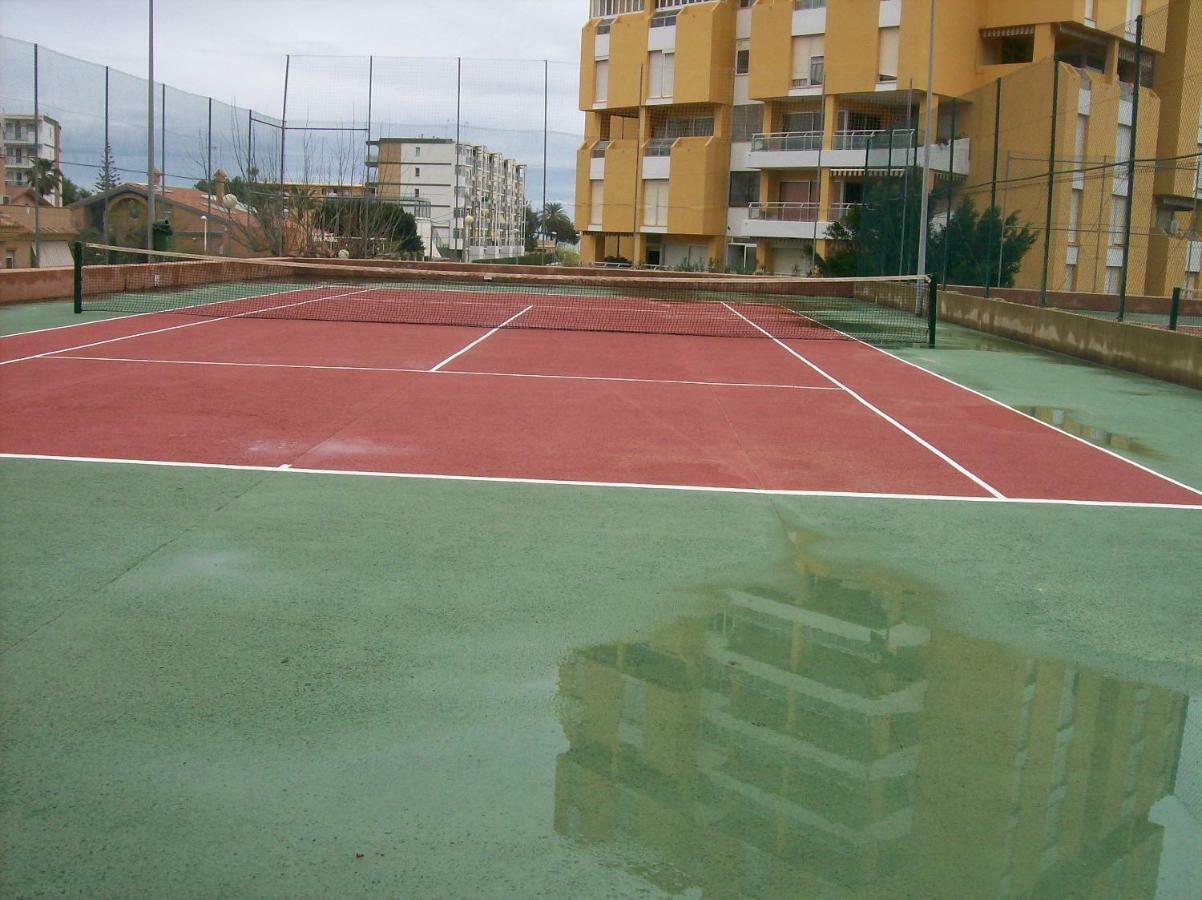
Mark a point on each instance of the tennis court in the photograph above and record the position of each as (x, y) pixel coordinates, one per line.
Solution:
(364, 583)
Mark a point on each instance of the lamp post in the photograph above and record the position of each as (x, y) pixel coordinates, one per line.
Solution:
(468, 221)
(205, 219)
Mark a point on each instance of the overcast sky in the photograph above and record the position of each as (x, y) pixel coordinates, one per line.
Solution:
(234, 49)
(234, 52)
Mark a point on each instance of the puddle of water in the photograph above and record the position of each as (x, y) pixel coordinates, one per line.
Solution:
(825, 740)
(1066, 421)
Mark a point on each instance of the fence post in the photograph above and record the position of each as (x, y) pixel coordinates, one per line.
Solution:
(997, 127)
(1047, 226)
(1174, 309)
(365, 203)
(951, 172)
(77, 286)
(283, 139)
(1139, 46)
(932, 311)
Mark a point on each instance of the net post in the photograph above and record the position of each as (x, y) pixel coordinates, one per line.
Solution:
(1174, 308)
(932, 311)
(77, 285)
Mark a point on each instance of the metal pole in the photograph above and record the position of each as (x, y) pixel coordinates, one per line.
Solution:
(209, 167)
(363, 204)
(947, 226)
(163, 145)
(638, 165)
(105, 170)
(1047, 226)
(1001, 234)
(997, 127)
(456, 207)
(1174, 309)
(37, 193)
(818, 199)
(1139, 47)
(923, 222)
(911, 140)
(283, 136)
(150, 131)
(546, 126)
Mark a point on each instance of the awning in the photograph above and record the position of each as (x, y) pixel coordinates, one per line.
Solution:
(1012, 31)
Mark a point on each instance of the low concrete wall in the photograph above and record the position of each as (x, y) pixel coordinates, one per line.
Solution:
(23, 285)
(1167, 355)
(1136, 303)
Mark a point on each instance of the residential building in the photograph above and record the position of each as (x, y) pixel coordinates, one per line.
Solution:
(25, 140)
(200, 222)
(19, 232)
(738, 131)
(474, 197)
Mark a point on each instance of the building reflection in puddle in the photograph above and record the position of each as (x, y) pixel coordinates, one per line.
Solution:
(818, 742)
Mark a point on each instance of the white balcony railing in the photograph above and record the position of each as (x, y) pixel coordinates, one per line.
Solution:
(783, 212)
(878, 139)
(785, 141)
(659, 147)
(839, 211)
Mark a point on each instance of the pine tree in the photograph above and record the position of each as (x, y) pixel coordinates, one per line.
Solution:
(106, 180)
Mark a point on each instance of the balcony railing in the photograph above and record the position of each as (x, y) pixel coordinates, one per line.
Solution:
(878, 139)
(784, 141)
(659, 147)
(598, 151)
(784, 212)
(839, 211)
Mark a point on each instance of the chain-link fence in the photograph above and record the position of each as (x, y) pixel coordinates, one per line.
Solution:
(237, 181)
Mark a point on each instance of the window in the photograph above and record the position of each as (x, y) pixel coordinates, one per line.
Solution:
(655, 202)
(661, 70)
(1070, 277)
(744, 188)
(887, 56)
(1008, 49)
(745, 4)
(596, 198)
(417, 192)
(685, 126)
(1081, 51)
(809, 4)
(742, 59)
(10, 261)
(1126, 67)
(606, 8)
(601, 83)
(1118, 220)
(805, 121)
(807, 48)
(417, 151)
(663, 20)
(1114, 277)
(746, 120)
(417, 172)
(1074, 215)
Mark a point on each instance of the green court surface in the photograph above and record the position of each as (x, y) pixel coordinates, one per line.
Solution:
(247, 683)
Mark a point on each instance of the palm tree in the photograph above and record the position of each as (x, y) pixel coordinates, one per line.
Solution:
(44, 178)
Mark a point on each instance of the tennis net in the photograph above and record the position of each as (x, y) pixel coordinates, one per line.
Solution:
(877, 310)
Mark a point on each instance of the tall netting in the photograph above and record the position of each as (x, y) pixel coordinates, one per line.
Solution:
(1071, 181)
(443, 158)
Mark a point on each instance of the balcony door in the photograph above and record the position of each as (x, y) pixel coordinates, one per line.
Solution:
(798, 200)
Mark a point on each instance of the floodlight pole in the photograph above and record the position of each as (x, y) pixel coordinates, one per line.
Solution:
(923, 225)
(150, 127)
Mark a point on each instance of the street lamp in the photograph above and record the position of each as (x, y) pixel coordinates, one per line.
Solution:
(205, 219)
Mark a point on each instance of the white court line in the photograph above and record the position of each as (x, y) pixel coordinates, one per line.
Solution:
(1019, 412)
(208, 321)
(888, 418)
(160, 312)
(404, 371)
(482, 338)
(287, 469)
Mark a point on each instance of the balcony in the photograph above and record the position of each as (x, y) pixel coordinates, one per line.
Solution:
(657, 157)
(783, 220)
(785, 150)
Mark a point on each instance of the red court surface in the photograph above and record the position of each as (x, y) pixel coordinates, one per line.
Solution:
(808, 416)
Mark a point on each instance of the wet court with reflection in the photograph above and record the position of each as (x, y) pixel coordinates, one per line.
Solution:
(254, 682)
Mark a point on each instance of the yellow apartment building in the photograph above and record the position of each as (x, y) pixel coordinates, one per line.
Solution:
(735, 132)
